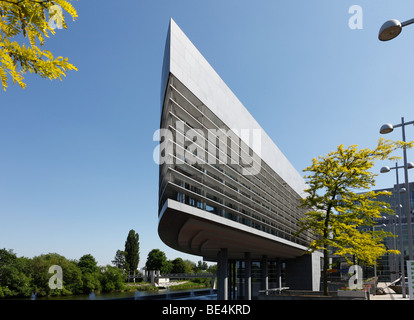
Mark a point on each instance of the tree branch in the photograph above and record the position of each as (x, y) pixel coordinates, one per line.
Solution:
(20, 1)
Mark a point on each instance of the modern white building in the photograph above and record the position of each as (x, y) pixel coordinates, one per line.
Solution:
(226, 191)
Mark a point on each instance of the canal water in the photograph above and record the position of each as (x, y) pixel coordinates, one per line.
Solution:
(196, 294)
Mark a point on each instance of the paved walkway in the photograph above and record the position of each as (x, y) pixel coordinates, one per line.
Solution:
(390, 294)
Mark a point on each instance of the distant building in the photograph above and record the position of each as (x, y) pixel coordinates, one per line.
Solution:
(390, 265)
(226, 192)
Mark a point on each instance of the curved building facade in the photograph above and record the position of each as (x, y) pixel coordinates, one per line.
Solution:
(226, 192)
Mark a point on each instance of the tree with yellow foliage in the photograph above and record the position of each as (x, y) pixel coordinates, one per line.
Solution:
(27, 18)
(338, 208)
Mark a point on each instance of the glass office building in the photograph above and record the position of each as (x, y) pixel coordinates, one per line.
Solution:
(226, 192)
(389, 266)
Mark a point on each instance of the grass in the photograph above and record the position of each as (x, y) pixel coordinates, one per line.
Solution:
(182, 285)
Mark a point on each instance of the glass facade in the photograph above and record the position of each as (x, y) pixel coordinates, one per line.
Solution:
(389, 266)
(206, 165)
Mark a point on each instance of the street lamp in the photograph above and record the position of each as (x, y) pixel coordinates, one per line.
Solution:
(387, 128)
(410, 165)
(399, 216)
(392, 28)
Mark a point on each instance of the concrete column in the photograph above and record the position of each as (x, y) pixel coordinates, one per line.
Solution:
(265, 274)
(157, 276)
(248, 276)
(213, 283)
(279, 272)
(234, 281)
(222, 277)
(303, 273)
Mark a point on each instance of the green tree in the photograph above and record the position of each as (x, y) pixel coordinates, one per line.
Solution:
(167, 267)
(212, 268)
(88, 264)
(202, 265)
(178, 266)
(15, 278)
(337, 211)
(112, 279)
(91, 282)
(28, 18)
(90, 273)
(132, 251)
(190, 266)
(157, 260)
(119, 260)
(72, 276)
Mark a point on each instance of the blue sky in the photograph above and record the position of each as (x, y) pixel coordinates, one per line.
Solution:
(76, 157)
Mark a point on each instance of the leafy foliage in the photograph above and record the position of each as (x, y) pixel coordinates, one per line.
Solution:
(39, 273)
(178, 266)
(14, 280)
(21, 277)
(157, 260)
(88, 264)
(112, 279)
(132, 250)
(119, 260)
(338, 207)
(90, 273)
(28, 18)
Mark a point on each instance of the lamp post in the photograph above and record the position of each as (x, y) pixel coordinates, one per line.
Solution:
(387, 128)
(392, 28)
(410, 165)
(395, 241)
(375, 265)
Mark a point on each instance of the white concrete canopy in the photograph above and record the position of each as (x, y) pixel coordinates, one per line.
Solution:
(201, 233)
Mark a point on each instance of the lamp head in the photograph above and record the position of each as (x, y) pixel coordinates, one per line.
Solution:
(390, 30)
(410, 165)
(386, 128)
(385, 169)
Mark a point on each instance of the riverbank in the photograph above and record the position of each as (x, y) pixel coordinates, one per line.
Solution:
(197, 294)
(130, 291)
(174, 285)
